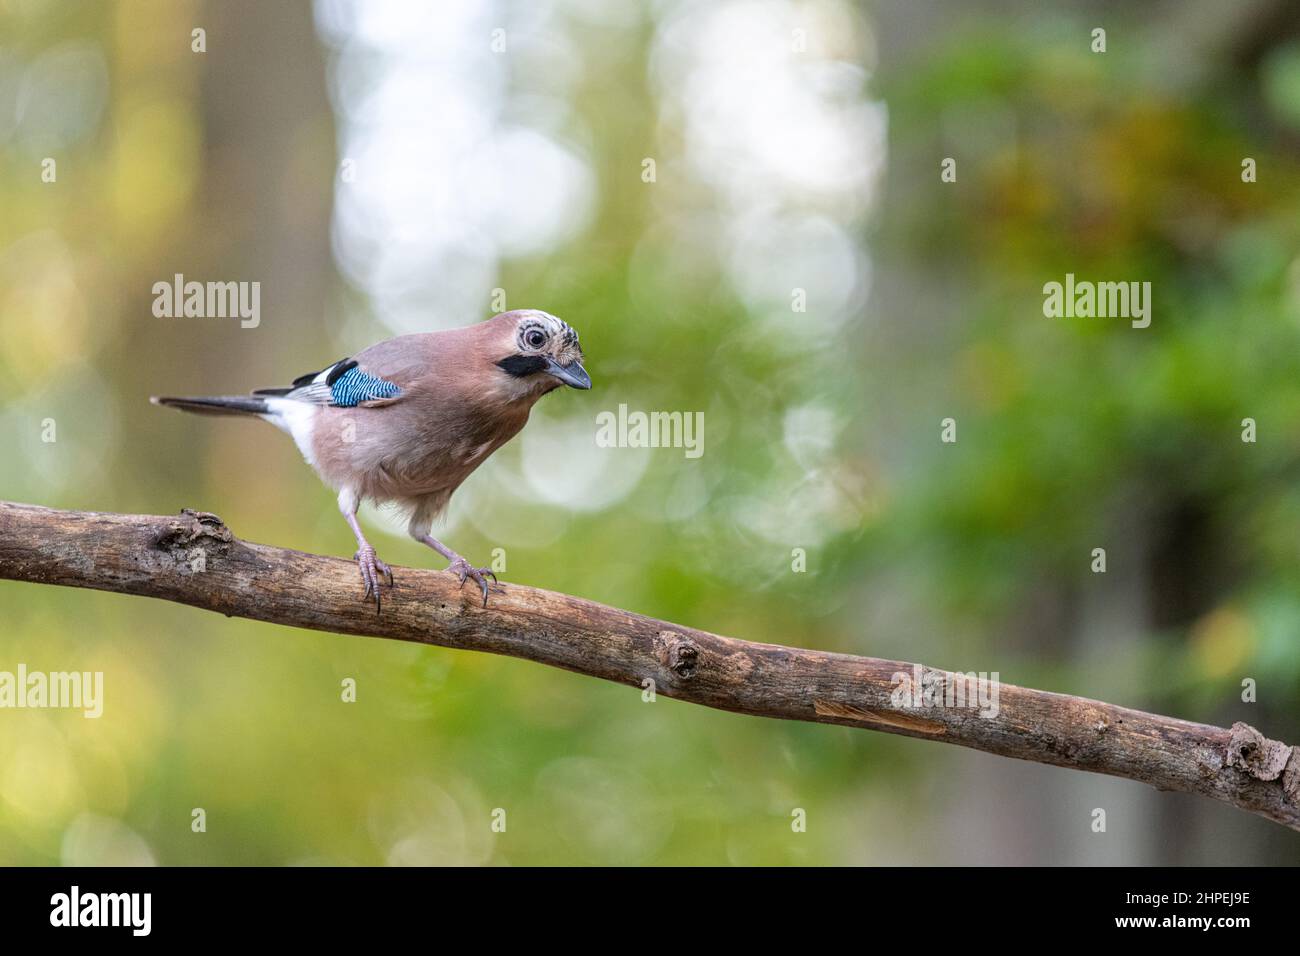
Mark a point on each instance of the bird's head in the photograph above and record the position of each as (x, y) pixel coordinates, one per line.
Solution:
(538, 352)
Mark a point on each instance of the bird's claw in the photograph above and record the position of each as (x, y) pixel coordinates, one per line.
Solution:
(465, 571)
(373, 574)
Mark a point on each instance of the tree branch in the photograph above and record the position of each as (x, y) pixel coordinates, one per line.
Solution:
(194, 559)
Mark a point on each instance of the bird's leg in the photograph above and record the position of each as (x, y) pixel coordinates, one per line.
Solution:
(459, 566)
(370, 565)
(368, 562)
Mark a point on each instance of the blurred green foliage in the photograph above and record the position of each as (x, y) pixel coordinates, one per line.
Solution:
(1073, 435)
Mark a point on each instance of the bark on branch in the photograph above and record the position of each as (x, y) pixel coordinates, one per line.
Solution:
(194, 559)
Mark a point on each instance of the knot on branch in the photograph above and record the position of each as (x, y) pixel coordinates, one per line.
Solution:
(678, 653)
(192, 536)
(1265, 759)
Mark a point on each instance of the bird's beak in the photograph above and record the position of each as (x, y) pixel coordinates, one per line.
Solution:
(573, 374)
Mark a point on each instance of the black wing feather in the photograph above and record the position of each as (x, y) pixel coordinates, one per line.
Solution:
(302, 381)
(340, 367)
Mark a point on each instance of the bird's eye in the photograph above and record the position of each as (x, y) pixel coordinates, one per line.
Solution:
(535, 338)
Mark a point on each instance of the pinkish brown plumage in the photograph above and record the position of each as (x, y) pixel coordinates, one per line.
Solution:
(407, 420)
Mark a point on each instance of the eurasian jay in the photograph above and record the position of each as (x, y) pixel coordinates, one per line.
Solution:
(406, 420)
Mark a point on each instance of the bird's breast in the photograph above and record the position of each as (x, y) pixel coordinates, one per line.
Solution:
(389, 453)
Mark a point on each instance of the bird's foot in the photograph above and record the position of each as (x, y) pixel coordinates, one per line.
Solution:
(373, 573)
(464, 570)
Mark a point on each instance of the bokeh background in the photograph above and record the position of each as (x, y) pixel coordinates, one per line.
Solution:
(383, 167)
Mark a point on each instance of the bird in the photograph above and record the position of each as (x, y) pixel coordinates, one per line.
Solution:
(407, 420)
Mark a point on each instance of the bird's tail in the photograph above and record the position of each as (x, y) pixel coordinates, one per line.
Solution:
(216, 404)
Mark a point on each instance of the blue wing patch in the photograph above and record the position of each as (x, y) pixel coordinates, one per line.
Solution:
(355, 386)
